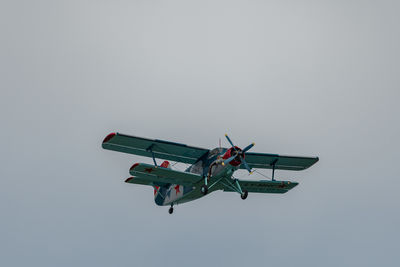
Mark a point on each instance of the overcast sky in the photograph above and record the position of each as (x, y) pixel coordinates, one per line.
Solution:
(316, 78)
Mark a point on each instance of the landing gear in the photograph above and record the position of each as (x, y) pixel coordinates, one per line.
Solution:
(171, 210)
(244, 194)
(204, 189)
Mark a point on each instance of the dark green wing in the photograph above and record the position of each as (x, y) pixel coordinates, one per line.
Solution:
(150, 174)
(267, 161)
(161, 149)
(264, 186)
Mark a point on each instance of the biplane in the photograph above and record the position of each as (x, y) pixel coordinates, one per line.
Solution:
(209, 170)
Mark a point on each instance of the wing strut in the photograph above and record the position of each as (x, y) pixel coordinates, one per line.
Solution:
(273, 169)
(150, 148)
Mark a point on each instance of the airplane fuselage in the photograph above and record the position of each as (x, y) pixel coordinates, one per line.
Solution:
(212, 170)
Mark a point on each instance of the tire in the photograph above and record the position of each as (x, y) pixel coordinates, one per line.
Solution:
(204, 190)
(244, 194)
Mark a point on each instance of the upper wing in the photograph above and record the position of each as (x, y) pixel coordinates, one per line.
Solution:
(161, 149)
(266, 161)
(264, 186)
(150, 174)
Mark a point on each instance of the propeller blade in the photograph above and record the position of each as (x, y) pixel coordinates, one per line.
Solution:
(246, 166)
(230, 141)
(248, 147)
(228, 160)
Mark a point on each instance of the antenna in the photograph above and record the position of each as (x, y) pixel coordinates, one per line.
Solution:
(220, 142)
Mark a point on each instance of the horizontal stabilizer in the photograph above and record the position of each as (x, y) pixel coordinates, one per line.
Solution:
(143, 179)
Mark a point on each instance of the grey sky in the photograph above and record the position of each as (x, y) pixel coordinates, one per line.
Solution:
(318, 78)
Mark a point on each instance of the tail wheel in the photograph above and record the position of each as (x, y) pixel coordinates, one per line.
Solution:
(204, 189)
(244, 194)
(171, 210)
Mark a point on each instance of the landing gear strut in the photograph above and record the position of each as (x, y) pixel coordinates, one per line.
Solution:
(235, 187)
(171, 210)
(204, 189)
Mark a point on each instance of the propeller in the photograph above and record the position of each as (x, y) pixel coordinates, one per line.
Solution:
(239, 154)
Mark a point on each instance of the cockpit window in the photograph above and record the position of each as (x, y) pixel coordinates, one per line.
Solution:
(214, 152)
(196, 168)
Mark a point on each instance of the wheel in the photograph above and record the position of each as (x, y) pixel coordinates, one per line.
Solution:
(171, 210)
(204, 189)
(244, 194)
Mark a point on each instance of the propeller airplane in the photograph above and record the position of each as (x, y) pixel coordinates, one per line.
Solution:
(210, 170)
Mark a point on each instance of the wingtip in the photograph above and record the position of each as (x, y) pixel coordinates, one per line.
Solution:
(134, 166)
(109, 137)
(128, 180)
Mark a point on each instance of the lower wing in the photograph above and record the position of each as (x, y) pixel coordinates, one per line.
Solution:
(148, 174)
(263, 186)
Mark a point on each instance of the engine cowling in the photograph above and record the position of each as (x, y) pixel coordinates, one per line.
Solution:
(231, 152)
